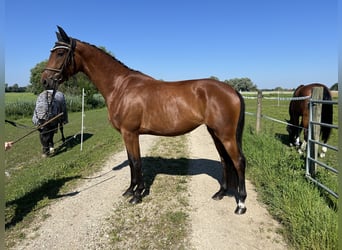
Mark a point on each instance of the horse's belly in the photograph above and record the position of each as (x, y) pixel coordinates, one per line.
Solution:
(171, 128)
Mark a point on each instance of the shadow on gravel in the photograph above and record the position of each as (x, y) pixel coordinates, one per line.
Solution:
(17, 209)
(152, 166)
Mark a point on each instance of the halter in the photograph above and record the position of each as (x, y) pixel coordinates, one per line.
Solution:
(69, 58)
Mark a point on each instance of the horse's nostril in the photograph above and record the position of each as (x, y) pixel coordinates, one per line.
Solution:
(43, 82)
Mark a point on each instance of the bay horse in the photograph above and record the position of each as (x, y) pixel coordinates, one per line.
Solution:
(139, 104)
(300, 108)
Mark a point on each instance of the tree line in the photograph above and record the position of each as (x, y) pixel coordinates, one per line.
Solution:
(240, 84)
(14, 88)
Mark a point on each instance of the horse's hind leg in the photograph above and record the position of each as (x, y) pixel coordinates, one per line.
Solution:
(239, 163)
(62, 131)
(234, 165)
(51, 143)
(224, 182)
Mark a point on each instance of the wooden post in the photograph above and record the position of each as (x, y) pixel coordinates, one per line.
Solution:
(258, 115)
(317, 94)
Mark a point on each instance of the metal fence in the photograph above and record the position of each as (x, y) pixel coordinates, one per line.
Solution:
(312, 145)
(312, 161)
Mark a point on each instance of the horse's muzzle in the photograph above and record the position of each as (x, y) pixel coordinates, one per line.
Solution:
(49, 83)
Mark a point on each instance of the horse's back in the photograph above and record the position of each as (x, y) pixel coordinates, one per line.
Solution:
(191, 92)
(306, 90)
(206, 89)
(301, 107)
(207, 95)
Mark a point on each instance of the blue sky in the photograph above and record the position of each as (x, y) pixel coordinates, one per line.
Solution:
(274, 43)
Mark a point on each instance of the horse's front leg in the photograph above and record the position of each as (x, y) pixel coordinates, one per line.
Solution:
(44, 140)
(130, 190)
(137, 185)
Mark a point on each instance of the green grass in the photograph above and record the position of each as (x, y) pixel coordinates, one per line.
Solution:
(34, 182)
(308, 213)
(17, 97)
(278, 173)
(161, 221)
(271, 108)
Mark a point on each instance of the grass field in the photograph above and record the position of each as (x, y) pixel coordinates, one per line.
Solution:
(16, 97)
(279, 111)
(308, 214)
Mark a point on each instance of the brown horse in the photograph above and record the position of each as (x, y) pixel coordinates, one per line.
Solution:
(138, 104)
(300, 108)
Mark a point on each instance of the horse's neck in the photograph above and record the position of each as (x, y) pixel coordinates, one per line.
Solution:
(103, 70)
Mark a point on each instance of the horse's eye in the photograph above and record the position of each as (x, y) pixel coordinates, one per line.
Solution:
(60, 53)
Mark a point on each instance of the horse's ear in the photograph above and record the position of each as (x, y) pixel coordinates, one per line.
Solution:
(62, 36)
(59, 37)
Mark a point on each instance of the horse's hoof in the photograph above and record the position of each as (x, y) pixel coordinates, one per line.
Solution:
(135, 200)
(240, 210)
(322, 155)
(218, 196)
(128, 193)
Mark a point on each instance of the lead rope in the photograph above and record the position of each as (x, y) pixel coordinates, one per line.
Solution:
(39, 127)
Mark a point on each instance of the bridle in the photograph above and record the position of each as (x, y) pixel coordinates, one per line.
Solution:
(58, 76)
(69, 59)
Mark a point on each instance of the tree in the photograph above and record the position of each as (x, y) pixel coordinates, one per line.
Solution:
(73, 86)
(36, 87)
(14, 88)
(214, 78)
(334, 87)
(242, 84)
(278, 89)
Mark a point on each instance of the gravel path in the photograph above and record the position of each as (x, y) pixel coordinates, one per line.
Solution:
(214, 224)
(78, 221)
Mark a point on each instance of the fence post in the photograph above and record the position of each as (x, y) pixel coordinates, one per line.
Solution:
(82, 125)
(317, 94)
(258, 114)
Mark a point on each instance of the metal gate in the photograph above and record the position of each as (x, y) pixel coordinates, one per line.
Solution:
(315, 124)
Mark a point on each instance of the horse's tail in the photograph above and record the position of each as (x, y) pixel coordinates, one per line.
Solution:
(241, 123)
(327, 115)
(233, 179)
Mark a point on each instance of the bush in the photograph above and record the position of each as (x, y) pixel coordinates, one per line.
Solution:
(19, 109)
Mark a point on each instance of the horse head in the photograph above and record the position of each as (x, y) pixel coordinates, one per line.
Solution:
(61, 63)
(293, 134)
